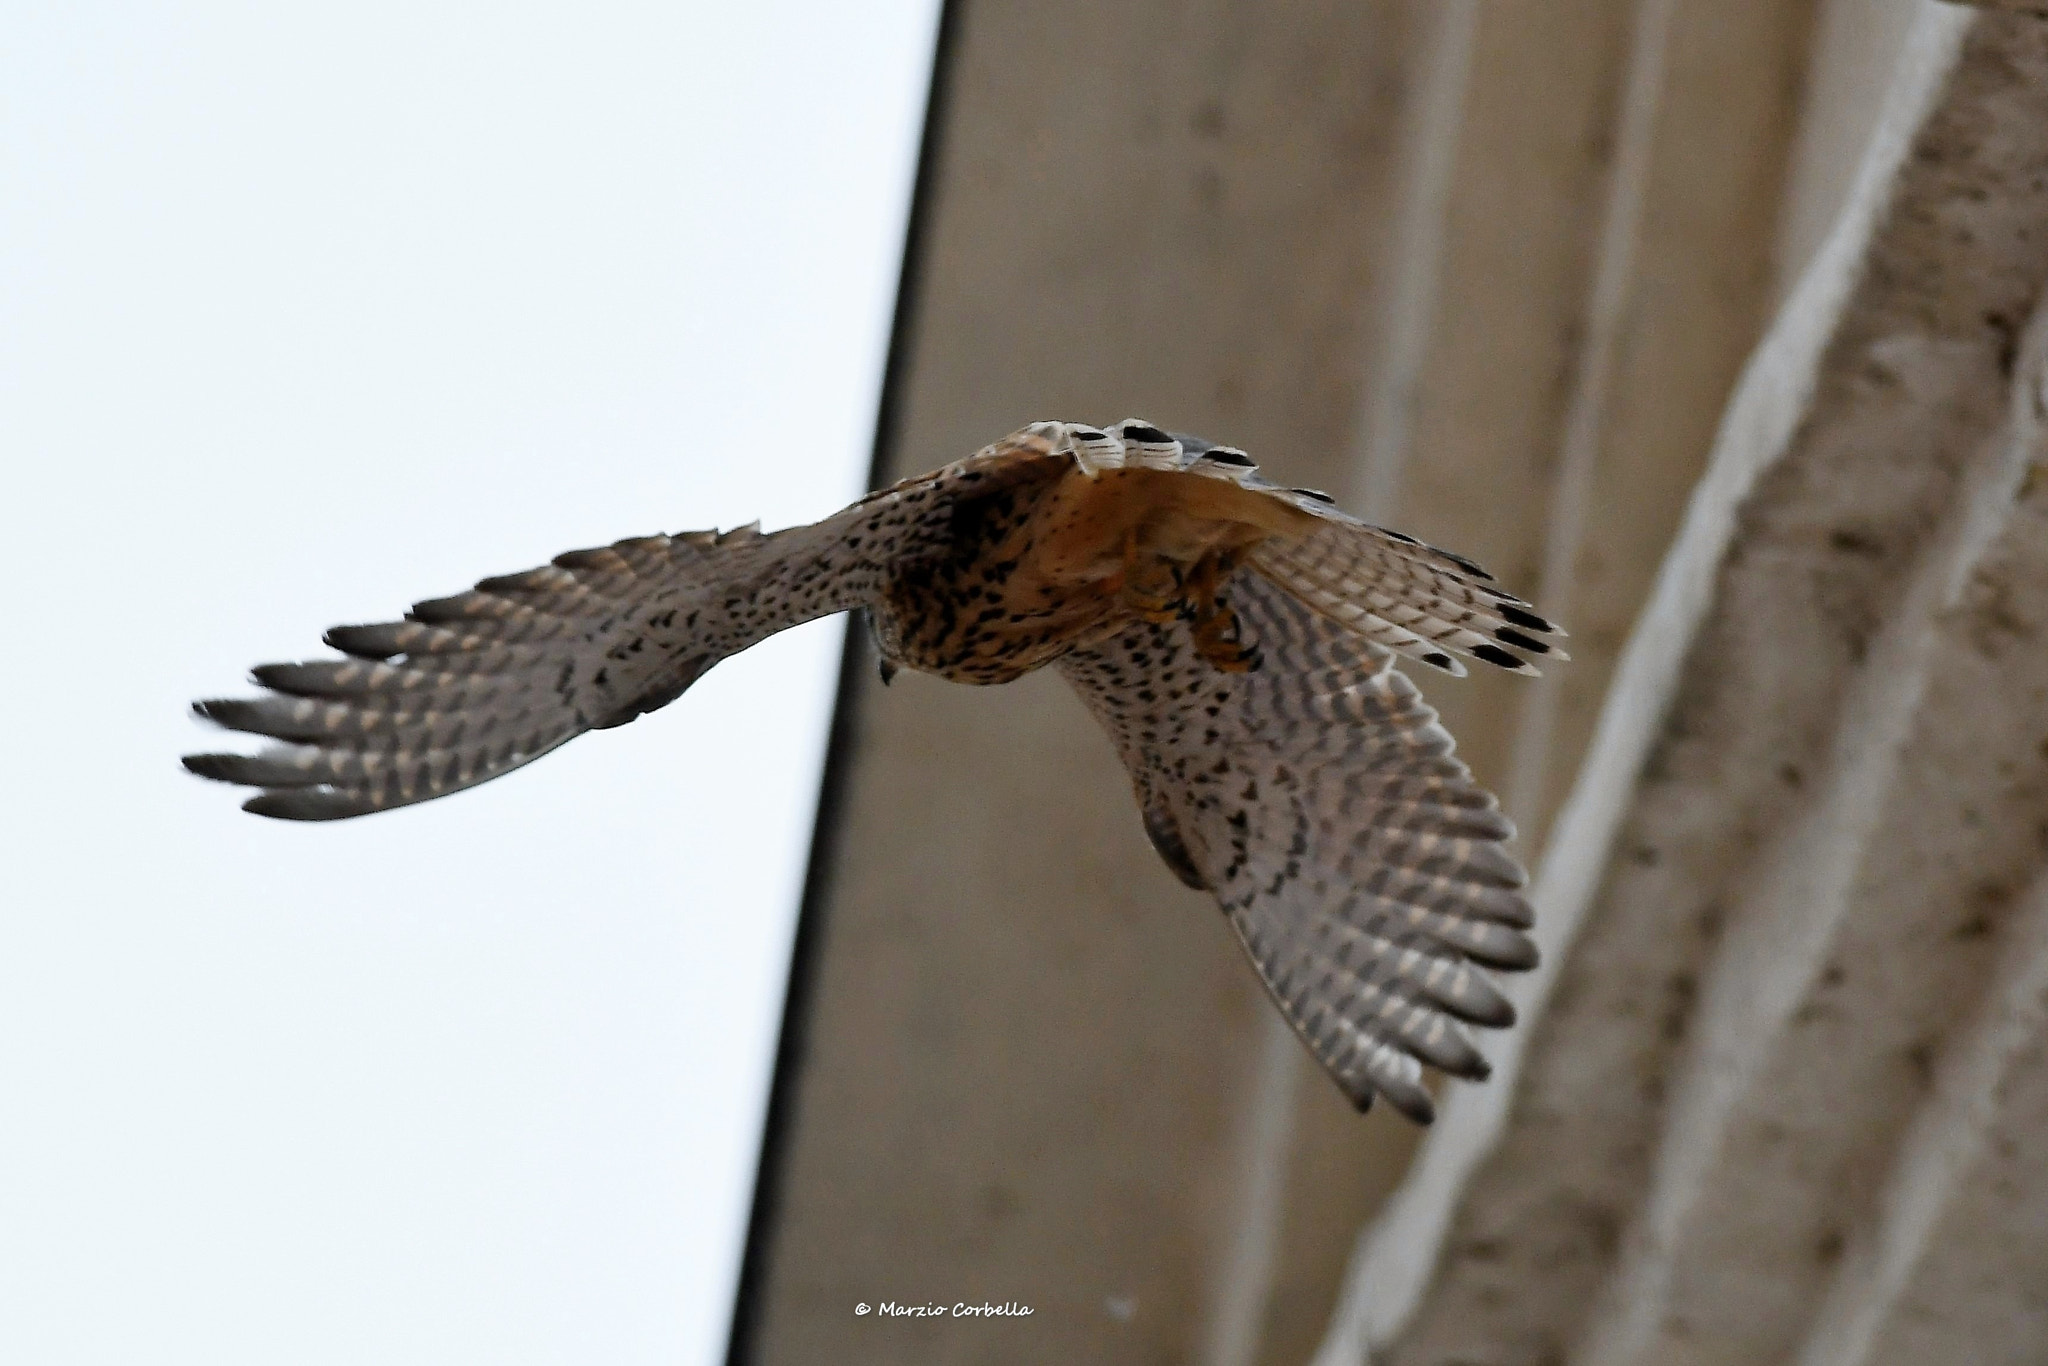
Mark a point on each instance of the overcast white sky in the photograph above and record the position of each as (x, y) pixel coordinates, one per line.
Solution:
(305, 313)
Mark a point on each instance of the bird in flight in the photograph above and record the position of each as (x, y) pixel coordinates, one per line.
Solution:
(1234, 637)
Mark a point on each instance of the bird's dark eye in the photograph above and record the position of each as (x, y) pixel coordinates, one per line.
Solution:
(1223, 455)
(1316, 494)
(1150, 436)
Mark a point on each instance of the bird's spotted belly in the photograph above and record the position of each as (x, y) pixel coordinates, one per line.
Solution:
(1035, 571)
(980, 612)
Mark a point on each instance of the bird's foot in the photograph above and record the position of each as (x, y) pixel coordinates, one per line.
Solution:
(1218, 639)
(1150, 588)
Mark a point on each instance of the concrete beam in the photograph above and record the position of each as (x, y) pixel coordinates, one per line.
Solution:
(1490, 272)
(1605, 252)
(1785, 859)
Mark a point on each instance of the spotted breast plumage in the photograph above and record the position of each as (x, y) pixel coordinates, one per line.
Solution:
(1235, 638)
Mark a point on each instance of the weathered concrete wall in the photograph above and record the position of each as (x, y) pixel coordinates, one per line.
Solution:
(1491, 272)
(1605, 255)
(1803, 1002)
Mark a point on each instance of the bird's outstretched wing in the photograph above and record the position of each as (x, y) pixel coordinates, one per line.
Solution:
(1318, 798)
(469, 687)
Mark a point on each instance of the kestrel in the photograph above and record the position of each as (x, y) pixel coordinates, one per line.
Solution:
(1236, 639)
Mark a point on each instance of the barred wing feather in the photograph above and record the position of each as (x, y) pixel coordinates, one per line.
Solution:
(1318, 798)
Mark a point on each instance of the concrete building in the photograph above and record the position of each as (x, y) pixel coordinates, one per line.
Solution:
(1714, 329)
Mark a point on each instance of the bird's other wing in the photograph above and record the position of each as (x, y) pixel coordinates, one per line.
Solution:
(469, 687)
(1425, 604)
(1421, 602)
(1318, 798)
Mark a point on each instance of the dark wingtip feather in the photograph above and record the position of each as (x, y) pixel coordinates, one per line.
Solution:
(298, 680)
(1510, 953)
(222, 711)
(526, 580)
(1416, 1105)
(1508, 635)
(241, 714)
(1506, 907)
(1491, 1011)
(275, 766)
(1471, 567)
(309, 804)
(213, 766)
(1530, 620)
(440, 611)
(365, 642)
(1449, 1052)
(249, 770)
(1477, 822)
(1501, 659)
